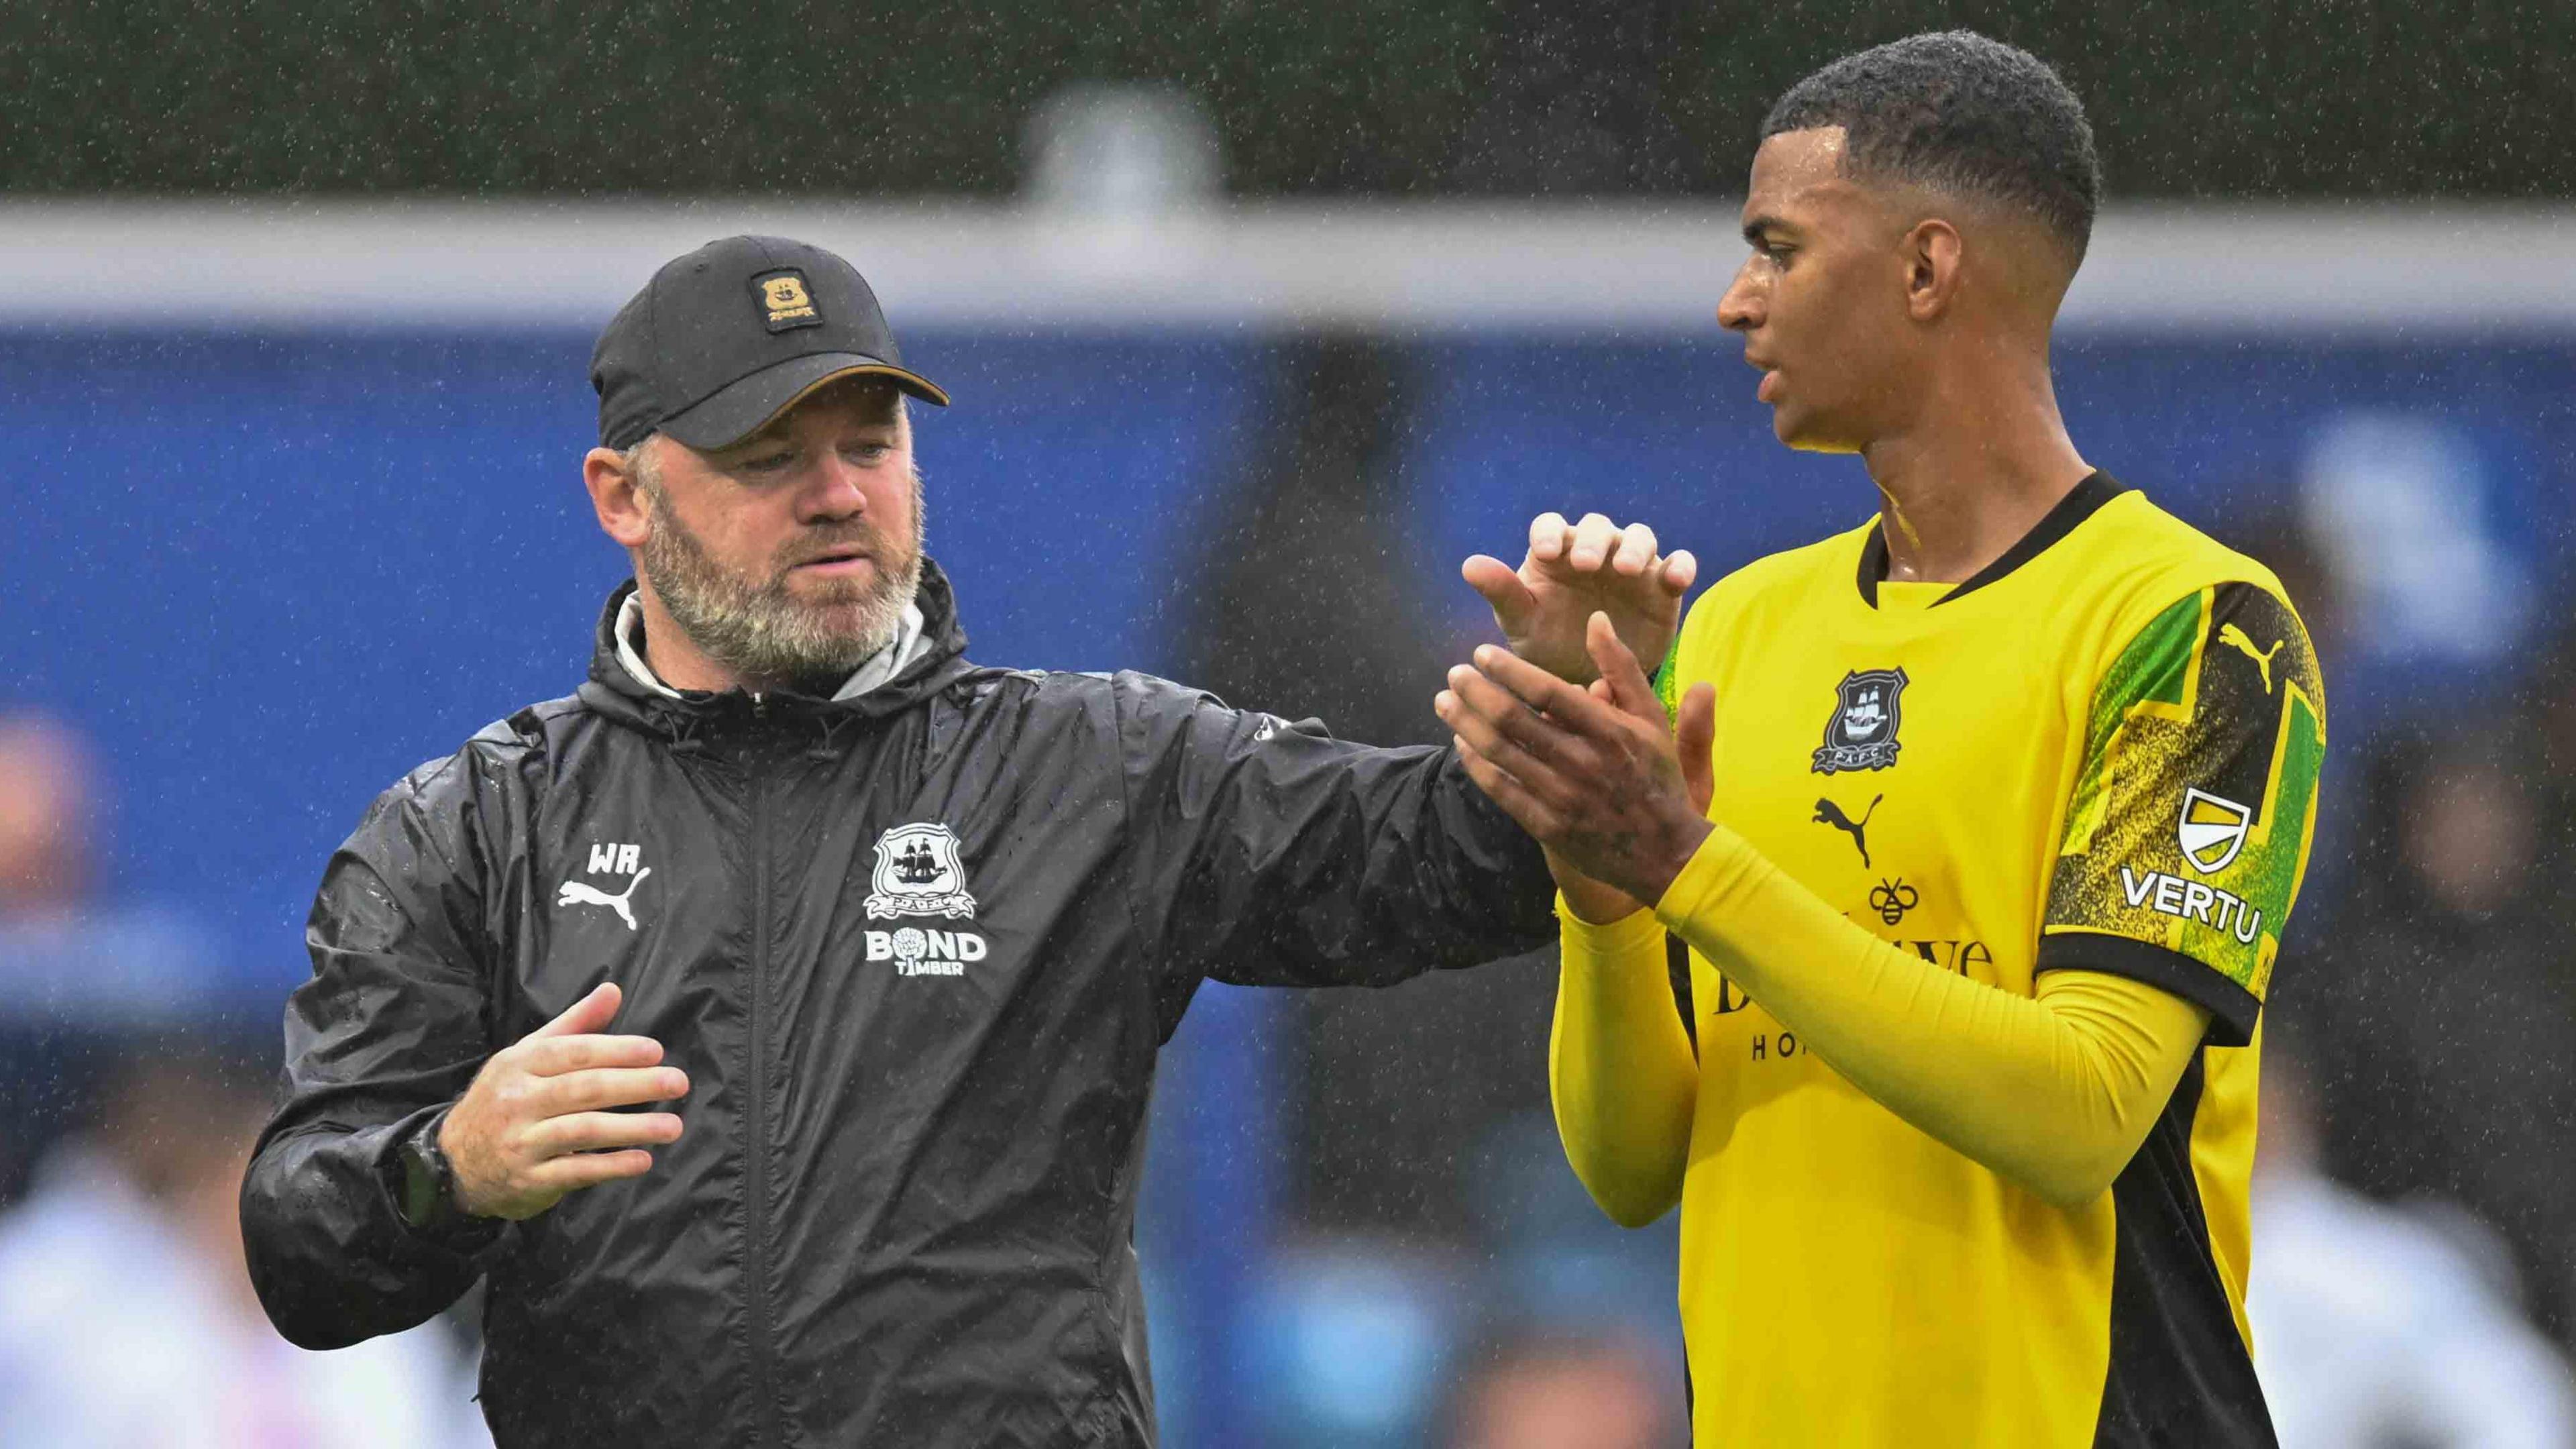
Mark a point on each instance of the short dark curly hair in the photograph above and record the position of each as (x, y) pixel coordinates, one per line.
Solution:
(1963, 114)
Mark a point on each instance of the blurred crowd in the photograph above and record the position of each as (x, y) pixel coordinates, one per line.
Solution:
(130, 1094)
(1442, 1280)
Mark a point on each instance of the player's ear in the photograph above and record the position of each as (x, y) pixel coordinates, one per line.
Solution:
(617, 495)
(1933, 252)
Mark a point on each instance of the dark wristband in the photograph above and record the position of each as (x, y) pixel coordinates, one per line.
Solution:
(425, 1188)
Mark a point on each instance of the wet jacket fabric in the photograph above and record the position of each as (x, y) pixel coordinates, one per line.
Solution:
(916, 951)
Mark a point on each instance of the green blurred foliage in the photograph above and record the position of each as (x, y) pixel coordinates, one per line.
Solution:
(2329, 97)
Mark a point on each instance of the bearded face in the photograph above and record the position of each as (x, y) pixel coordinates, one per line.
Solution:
(767, 622)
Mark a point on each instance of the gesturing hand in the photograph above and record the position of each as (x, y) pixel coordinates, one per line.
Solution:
(1596, 775)
(534, 1125)
(1573, 571)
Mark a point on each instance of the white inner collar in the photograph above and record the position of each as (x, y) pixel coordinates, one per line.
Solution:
(906, 646)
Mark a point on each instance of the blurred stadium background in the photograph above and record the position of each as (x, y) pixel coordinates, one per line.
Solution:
(1258, 320)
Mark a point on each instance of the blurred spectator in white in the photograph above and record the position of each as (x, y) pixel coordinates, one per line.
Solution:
(2444, 1001)
(126, 1314)
(1566, 1393)
(73, 970)
(2374, 1328)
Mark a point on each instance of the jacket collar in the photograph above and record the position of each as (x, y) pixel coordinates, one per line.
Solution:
(933, 660)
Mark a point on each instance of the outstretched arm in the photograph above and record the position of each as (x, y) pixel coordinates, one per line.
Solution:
(1271, 854)
(1277, 855)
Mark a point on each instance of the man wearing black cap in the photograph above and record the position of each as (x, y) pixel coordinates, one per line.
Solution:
(892, 940)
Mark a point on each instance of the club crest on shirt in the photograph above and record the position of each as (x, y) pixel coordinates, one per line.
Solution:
(918, 873)
(1861, 733)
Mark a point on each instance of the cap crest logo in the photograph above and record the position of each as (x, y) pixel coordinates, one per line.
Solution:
(784, 302)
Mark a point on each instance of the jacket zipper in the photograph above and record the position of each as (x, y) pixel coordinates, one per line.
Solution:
(764, 1404)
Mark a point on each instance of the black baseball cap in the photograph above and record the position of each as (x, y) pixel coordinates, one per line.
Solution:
(729, 336)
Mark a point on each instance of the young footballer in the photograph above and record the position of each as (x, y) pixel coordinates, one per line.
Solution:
(1981, 824)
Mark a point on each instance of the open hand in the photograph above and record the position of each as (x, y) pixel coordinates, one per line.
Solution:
(535, 1125)
(1616, 793)
(1573, 571)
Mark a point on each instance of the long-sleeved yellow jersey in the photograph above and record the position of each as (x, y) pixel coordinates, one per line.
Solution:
(2100, 756)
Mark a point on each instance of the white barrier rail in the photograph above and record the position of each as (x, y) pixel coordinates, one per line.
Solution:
(2428, 268)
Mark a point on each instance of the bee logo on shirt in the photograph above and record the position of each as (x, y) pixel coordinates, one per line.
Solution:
(1893, 899)
(1861, 732)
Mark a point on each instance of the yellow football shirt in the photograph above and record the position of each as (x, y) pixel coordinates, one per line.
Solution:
(2100, 754)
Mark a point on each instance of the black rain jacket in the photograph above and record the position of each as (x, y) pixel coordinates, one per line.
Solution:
(919, 1060)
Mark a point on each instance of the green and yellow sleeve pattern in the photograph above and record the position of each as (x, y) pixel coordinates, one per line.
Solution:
(2188, 832)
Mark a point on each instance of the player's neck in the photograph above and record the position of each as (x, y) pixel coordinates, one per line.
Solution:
(1987, 461)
